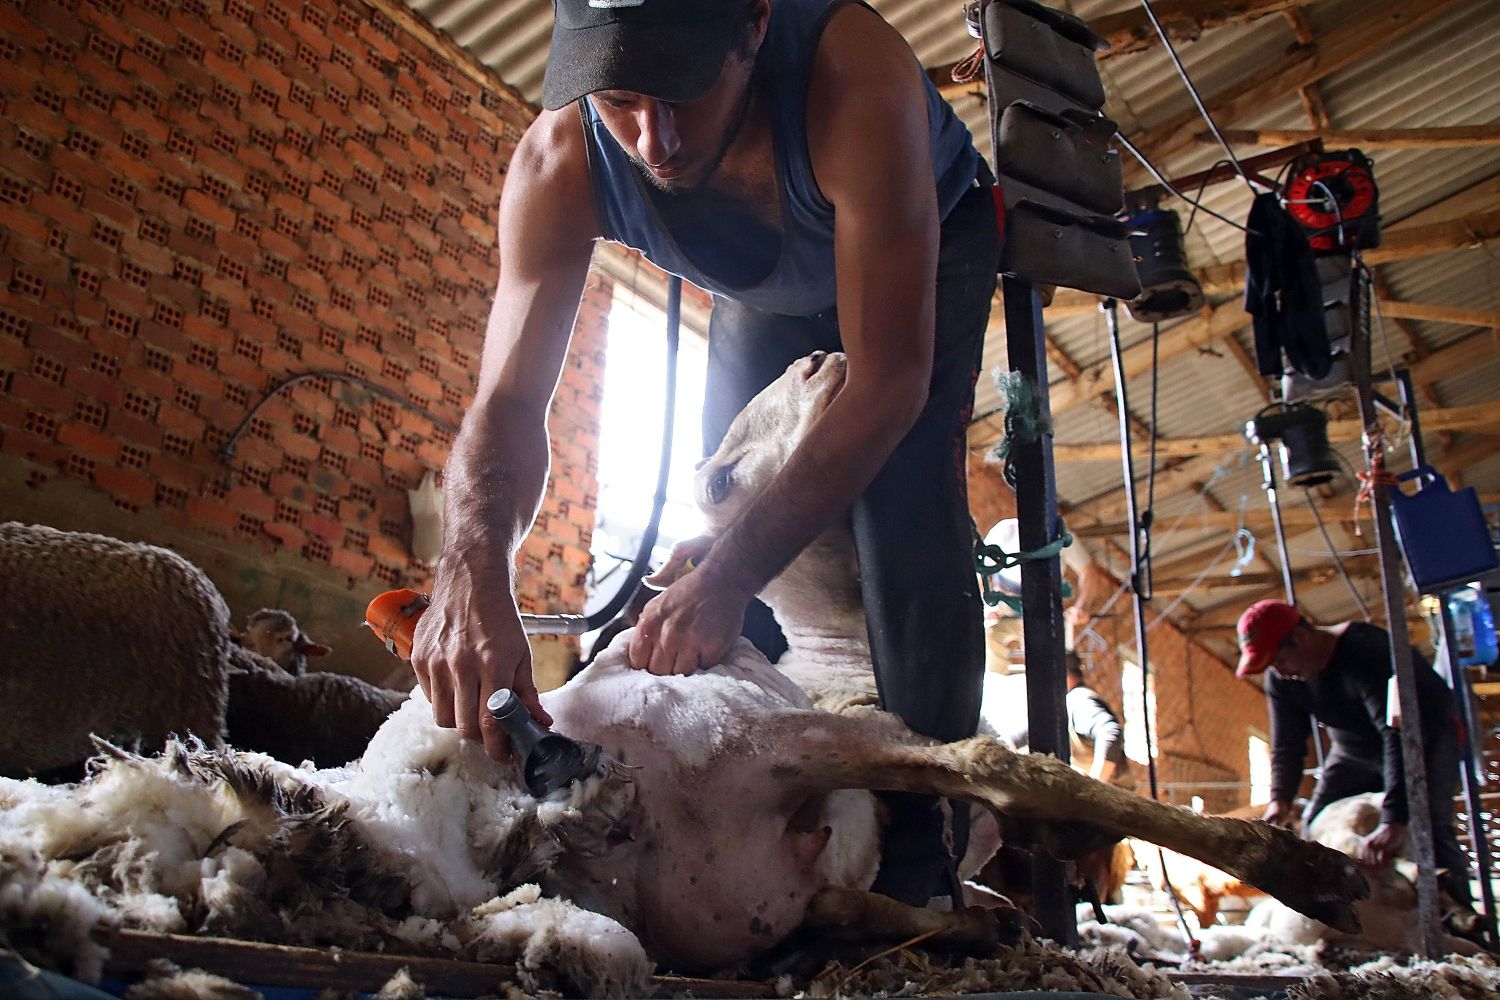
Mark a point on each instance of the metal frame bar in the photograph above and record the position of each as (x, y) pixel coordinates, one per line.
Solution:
(1463, 698)
(1041, 589)
(1419, 829)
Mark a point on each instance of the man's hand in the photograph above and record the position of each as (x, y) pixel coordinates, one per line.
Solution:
(690, 626)
(1278, 813)
(1381, 847)
(468, 645)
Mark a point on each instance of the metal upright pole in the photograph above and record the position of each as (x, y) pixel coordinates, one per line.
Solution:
(1268, 484)
(1041, 587)
(1464, 701)
(1139, 588)
(1419, 828)
(1284, 556)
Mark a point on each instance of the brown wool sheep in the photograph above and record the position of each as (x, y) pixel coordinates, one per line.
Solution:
(131, 643)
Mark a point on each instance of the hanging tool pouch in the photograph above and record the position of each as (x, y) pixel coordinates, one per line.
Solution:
(1059, 180)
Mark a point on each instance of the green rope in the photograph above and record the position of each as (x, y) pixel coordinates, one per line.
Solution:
(1023, 420)
(991, 559)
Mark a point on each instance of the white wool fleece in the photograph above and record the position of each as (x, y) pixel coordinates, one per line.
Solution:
(438, 803)
(541, 934)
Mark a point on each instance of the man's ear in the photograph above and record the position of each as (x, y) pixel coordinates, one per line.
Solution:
(760, 12)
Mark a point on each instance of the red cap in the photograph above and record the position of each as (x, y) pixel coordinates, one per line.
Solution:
(1262, 628)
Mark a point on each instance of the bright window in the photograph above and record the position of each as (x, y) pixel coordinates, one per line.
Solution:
(1260, 770)
(630, 441)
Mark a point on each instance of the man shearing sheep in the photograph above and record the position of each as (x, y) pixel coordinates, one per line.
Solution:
(791, 157)
(1340, 675)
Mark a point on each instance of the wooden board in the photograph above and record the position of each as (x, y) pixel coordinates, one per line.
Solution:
(254, 963)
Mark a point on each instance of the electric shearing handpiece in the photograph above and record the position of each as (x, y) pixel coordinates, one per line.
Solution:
(549, 761)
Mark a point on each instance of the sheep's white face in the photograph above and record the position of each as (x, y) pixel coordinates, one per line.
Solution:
(763, 436)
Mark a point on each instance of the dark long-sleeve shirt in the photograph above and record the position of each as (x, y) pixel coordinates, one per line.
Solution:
(1349, 697)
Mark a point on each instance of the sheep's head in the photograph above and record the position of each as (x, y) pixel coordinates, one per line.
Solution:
(823, 582)
(274, 634)
(763, 436)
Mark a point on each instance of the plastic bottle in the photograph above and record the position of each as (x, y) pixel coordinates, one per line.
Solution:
(1473, 627)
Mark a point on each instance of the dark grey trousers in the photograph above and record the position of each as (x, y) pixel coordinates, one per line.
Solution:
(911, 526)
(1351, 772)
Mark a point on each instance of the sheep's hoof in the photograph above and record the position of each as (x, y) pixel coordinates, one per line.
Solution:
(1313, 880)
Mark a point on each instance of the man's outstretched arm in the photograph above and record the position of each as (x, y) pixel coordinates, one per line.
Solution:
(470, 642)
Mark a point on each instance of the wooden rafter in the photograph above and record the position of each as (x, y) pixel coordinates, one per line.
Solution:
(1312, 95)
(1255, 517)
(1131, 31)
(1482, 418)
(1366, 31)
(1437, 137)
(1467, 232)
(1440, 314)
(1453, 460)
(1311, 576)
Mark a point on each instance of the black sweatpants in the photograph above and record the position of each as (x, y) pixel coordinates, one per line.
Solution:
(911, 526)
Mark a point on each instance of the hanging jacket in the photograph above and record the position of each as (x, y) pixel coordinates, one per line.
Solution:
(1283, 294)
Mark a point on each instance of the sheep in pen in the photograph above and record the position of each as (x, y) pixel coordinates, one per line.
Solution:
(742, 813)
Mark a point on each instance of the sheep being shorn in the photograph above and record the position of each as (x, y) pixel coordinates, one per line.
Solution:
(738, 807)
(426, 847)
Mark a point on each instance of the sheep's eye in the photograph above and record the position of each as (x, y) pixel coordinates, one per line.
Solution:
(720, 485)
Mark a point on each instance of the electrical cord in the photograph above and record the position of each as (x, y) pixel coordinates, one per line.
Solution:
(1197, 98)
(1198, 195)
(1148, 517)
(226, 450)
(1166, 184)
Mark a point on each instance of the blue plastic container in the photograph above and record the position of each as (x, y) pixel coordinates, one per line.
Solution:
(1442, 533)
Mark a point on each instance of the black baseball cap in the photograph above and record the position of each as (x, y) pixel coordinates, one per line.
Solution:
(672, 50)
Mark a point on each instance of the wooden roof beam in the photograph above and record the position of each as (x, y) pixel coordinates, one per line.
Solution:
(1482, 418)
(1312, 96)
(1440, 137)
(1130, 30)
(1313, 576)
(1372, 28)
(1440, 314)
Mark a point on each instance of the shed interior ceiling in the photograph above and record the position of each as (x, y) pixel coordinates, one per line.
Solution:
(1441, 73)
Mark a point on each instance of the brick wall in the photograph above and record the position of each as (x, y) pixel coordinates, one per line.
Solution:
(199, 198)
(1204, 714)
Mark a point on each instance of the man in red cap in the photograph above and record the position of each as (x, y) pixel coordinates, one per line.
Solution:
(1340, 675)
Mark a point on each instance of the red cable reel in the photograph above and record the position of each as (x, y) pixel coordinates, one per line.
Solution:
(1334, 199)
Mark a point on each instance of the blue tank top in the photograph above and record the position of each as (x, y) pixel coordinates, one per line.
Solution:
(800, 281)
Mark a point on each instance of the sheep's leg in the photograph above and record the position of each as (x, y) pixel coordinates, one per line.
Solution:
(822, 752)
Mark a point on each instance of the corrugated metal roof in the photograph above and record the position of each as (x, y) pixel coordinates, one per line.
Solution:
(1442, 73)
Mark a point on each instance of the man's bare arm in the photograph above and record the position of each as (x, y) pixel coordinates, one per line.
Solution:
(868, 132)
(470, 642)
